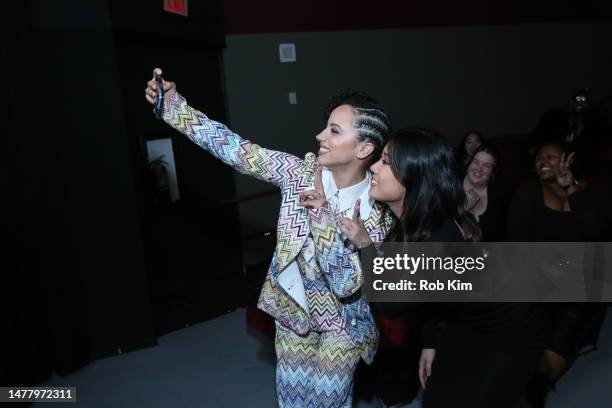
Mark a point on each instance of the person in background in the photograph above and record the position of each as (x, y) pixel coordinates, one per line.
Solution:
(486, 198)
(470, 141)
(582, 124)
(555, 207)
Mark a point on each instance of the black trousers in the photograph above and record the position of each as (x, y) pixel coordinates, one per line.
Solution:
(572, 326)
(480, 370)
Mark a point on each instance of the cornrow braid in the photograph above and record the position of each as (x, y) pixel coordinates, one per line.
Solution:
(370, 120)
(374, 125)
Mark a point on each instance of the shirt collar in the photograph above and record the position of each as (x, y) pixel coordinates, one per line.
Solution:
(347, 196)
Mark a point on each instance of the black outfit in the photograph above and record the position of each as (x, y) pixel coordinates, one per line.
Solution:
(485, 352)
(530, 220)
(493, 221)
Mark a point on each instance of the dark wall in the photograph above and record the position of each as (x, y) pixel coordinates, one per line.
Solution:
(147, 22)
(192, 248)
(96, 268)
(450, 65)
(274, 16)
(34, 219)
(497, 79)
(87, 121)
(78, 289)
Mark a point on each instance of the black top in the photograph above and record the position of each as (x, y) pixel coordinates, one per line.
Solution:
(493, 221)
(530, 220)
(504, 322)
(447, 232)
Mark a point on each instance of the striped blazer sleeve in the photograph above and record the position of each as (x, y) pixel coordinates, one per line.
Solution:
(217, 139)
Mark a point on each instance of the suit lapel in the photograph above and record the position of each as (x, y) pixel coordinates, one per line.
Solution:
(293, 228)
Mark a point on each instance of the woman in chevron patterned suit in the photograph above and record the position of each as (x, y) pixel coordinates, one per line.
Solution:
(323, 328)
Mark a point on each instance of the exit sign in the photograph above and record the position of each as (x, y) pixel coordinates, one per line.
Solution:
(176, 7)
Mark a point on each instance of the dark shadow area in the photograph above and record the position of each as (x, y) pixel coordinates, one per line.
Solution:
(98, 267)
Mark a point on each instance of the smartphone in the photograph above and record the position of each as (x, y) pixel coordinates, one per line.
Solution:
(159, 101)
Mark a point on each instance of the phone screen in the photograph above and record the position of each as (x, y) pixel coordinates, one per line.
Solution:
(159, 101)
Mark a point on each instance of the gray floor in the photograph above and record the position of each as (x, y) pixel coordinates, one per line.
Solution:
(220, 364)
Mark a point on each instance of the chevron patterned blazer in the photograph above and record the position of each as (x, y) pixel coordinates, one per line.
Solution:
(342, 268)
(292, 175)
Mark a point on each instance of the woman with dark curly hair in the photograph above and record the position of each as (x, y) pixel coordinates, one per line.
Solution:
(555, 207)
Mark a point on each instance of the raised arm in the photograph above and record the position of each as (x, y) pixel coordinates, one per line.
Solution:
(217, 139)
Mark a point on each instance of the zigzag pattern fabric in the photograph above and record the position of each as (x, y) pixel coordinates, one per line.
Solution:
(317, 351)
(315, 371)
(292, 234)
(323, 305)
(284, 170)
(342, 269)
(248, 158)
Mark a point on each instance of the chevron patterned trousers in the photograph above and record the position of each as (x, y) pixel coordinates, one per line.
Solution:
(316, 370)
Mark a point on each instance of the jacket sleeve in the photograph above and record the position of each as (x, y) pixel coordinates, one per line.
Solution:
(340, 265)
(217, 139)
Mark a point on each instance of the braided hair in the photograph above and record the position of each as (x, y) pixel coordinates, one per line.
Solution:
(370, 120)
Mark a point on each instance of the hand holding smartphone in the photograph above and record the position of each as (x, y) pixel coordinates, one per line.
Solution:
(159, 100)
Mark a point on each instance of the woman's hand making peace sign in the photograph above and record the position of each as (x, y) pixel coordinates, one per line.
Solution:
(353, 228)
(565, 176)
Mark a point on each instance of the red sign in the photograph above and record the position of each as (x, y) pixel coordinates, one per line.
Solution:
(176, 7)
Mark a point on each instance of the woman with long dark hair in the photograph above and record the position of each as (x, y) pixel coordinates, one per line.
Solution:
(477, 355)
(422, 163)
